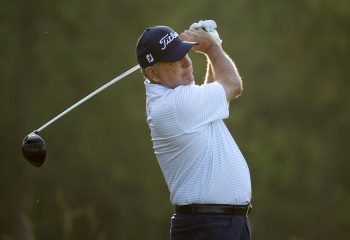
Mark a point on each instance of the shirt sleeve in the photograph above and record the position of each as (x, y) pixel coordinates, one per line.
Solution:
(196, 106)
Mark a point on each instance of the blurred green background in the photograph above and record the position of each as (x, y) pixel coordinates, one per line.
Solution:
(101, 179)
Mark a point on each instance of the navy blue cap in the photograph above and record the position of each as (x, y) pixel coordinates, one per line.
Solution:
(160, 43)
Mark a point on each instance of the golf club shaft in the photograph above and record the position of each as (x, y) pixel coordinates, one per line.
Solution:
(131, 70)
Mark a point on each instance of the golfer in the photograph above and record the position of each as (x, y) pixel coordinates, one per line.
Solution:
(207, 175)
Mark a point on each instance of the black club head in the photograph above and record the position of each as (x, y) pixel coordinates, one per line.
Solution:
(34, 149)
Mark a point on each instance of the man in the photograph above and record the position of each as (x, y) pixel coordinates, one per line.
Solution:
(207, 176)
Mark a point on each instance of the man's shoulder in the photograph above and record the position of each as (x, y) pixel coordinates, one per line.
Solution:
(194, 91)
(197, 87)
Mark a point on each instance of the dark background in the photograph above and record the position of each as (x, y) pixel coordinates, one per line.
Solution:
(101, 179)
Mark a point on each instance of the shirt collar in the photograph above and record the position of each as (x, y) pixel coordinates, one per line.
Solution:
(153, 89)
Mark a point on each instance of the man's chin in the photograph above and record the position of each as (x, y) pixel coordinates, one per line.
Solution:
(189, 82)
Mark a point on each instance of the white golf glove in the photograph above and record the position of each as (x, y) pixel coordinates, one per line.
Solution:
(210, 27)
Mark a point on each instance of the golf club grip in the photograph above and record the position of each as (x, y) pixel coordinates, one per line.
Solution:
(121, 76)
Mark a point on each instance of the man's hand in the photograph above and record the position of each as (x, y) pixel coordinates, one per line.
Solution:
(208, 26)
(205, 34)
(220, 66)
(204, 40)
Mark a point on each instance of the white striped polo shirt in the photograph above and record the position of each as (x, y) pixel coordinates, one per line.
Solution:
(200, 160)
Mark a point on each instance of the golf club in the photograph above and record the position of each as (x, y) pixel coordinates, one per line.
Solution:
(34, 147)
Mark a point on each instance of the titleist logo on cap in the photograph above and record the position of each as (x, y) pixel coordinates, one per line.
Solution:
(167, 39)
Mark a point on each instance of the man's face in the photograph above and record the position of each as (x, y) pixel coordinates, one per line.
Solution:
(173, 74)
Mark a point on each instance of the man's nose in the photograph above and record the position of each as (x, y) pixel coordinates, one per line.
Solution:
(186, 61)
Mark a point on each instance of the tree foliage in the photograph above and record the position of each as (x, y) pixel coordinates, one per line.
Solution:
(101, 179)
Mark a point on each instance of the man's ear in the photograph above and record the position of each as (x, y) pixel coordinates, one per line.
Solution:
(151, 74)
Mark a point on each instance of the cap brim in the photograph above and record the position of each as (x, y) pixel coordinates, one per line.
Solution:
(179, 52)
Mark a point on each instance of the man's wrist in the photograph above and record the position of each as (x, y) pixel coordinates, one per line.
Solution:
(214, 51)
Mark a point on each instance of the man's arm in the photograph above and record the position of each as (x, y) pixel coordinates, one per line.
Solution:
(225, 72)
(223, 68)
